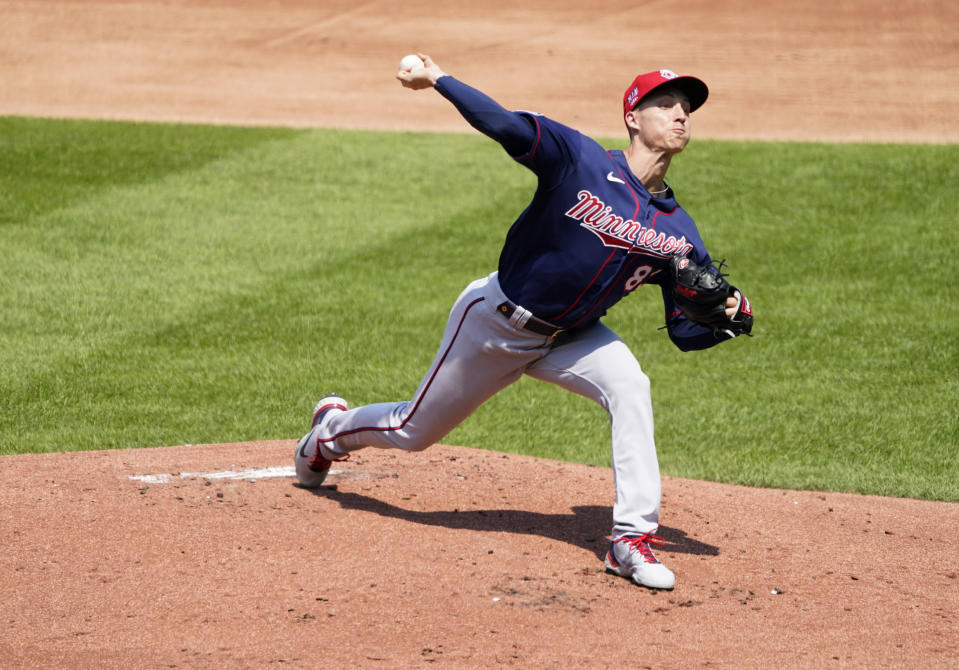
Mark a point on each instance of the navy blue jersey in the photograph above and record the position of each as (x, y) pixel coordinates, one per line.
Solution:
(592, 233)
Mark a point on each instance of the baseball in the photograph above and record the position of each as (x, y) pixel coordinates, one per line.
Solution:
(410, 62)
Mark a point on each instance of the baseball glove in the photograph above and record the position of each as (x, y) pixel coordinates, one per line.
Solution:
(700, 293)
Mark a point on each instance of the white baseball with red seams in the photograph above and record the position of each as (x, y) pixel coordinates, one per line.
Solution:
(411, 62)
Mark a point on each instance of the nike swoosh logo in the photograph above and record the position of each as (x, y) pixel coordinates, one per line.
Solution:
(611, 177)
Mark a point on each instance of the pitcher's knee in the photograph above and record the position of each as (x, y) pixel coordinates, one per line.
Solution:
(640, 383)
(629, 383)
(420, 444)
(413, 440)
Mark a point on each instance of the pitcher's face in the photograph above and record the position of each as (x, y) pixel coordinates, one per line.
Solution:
(663, 120)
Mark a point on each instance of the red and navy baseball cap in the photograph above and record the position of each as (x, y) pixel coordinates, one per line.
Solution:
(644, 84)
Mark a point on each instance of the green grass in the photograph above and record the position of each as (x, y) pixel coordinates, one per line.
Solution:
(171, 284)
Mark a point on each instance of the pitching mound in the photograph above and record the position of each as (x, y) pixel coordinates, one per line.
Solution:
(210, 556)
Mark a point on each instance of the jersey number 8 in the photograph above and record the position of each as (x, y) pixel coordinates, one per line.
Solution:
(639, 277)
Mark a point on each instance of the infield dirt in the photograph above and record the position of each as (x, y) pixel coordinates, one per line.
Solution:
(459, 557)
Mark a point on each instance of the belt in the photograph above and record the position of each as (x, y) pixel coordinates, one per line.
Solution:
(532, 324)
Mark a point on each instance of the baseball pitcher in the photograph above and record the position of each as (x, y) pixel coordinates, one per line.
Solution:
(601, 224)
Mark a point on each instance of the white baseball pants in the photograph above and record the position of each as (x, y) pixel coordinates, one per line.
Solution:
(481, 353)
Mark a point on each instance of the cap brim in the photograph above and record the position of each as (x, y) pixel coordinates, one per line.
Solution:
(694, 88)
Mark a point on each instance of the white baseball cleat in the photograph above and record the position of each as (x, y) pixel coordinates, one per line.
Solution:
(311, 465)
(630, 556)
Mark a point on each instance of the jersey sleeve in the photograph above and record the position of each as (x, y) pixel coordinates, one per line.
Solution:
(544, 146)
(513, 130)
(552, 155)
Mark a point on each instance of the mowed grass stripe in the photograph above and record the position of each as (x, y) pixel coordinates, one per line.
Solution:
(135, 330)
(209, 299)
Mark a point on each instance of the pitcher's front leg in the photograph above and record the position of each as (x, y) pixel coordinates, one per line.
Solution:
(597, 364)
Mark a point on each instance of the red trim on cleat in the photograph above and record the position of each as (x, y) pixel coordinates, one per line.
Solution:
(641, 544)
(320, 463)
